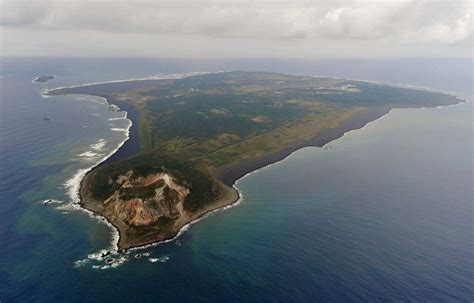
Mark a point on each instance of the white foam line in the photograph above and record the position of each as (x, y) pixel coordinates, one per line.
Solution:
(241, 197)
(462, 99)
(90, 154)
(398, 108)
(44, 93)
(238, 202)
(117, 129)
(73, 185)
(331, 142)
(99, 145)
(185, 75)
(35, 79)
(160, 259)
(399, 85)
(115, 263)
(186, 226)
(155, 77)
(117, 118)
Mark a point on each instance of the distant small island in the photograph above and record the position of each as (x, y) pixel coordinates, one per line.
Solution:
(199, 134)
(43, 79)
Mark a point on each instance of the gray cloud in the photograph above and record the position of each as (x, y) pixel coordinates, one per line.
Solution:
(403, 21)
(236, 28)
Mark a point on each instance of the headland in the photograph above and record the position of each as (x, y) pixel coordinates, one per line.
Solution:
(192, 138)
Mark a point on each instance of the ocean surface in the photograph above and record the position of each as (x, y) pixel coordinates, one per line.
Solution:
(383, 214)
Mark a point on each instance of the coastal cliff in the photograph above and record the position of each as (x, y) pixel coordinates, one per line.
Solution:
(199, 134)
(152, 202)
(152, 206)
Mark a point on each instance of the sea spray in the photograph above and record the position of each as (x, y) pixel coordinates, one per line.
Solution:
(99, 145)
(117, 129)
(155, 77)
(117, 118)
(73, 184)
(90, 155)
(240, 194)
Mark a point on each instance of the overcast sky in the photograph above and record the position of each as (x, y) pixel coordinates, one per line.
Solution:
(237, 29)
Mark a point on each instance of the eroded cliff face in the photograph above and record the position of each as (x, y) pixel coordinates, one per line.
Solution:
(151, 202)
(145, 200)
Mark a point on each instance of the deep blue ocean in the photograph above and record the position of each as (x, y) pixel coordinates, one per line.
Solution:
(383, 214)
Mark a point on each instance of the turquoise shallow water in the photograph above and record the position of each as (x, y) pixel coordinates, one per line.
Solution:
(382, 214)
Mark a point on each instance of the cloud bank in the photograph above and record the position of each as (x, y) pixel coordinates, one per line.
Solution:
(352, 22)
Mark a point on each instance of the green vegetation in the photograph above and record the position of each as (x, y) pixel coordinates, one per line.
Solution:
(191, 126)
(203, 189)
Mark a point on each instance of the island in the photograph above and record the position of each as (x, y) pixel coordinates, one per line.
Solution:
(43, 79)
(197, 135)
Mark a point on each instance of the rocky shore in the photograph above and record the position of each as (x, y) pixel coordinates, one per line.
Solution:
(145, 212)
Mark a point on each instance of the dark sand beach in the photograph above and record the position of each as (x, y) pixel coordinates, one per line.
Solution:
(227, 174)
(132, 146)
(230, 173)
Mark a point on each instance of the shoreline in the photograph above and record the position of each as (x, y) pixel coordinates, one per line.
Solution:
(232, 197)
(131, 146)
(230, 174)
(74, 185)
(217, 207)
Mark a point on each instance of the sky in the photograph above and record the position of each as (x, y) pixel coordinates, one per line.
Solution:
(237, 29)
